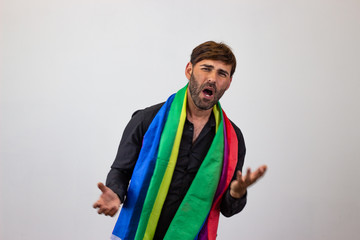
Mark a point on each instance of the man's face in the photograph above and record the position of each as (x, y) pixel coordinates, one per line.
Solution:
(208, 80)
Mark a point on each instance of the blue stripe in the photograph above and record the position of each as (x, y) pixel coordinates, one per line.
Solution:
(128, 220)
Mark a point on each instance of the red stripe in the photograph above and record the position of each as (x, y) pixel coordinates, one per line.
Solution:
(213, 219)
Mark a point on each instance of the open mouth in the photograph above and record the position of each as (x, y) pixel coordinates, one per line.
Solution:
(208, 92)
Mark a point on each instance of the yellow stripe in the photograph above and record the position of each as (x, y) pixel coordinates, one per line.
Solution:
(164, 187)
(217, 115)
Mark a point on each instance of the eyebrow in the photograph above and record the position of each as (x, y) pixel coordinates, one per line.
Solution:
(207, 65)
(212, 67)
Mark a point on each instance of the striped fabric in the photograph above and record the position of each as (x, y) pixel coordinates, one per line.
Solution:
(198, 214)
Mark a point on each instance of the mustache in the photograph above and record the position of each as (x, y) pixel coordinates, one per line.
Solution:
(212, 85)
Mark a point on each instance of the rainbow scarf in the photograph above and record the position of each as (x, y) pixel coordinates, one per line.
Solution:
(198, 214)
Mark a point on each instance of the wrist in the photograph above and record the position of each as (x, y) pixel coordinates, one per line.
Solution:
(235, 194)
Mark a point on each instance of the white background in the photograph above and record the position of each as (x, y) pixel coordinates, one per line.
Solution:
(73, 71)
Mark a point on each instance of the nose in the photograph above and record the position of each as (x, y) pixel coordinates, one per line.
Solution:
(212, 76)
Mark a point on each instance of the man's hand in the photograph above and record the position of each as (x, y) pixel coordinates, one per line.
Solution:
(108, 202)
(241, 183)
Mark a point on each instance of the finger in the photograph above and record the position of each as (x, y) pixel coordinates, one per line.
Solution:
(106, 212)
(96, 204)
(260, 171)
(101, 186)
(263, 168)
(247, 179)
(114, 211)
(238, 175)
(101, 210)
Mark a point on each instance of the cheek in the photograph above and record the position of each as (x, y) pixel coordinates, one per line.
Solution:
(224, 86)
(227, 85)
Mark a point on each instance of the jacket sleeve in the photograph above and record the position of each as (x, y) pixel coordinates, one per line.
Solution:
(129, 148)
(121, 170)
(230, 206)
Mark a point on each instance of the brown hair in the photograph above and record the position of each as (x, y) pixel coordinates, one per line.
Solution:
(214, 51)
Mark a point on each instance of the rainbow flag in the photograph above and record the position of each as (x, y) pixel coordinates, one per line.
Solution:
(198, 214)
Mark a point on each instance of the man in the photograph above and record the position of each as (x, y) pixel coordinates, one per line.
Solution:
(179, 196)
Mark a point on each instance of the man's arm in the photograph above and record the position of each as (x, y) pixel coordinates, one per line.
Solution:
(234, 199)
(230, 205)
(117, 181)
(119, 176)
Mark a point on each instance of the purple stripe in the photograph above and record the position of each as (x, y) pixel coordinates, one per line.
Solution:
(203, 235)
(222, 181)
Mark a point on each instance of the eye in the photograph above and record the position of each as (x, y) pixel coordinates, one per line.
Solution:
(206, 69)
(222, 74)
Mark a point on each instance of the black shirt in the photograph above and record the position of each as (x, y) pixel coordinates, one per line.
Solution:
(189, 160)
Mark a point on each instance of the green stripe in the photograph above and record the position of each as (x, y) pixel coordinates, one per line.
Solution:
(198, 200)
(164, 186)
(165, 148)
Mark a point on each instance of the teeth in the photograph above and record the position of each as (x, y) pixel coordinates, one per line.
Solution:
(207, 92)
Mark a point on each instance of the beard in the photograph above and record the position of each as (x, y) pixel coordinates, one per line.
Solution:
(196, 90)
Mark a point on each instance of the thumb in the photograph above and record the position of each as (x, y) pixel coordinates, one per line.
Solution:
(238, 175)
(102, 187)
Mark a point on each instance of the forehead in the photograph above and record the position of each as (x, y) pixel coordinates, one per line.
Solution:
(217, 64)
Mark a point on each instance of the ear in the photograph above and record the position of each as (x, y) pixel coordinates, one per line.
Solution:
(188, 70)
